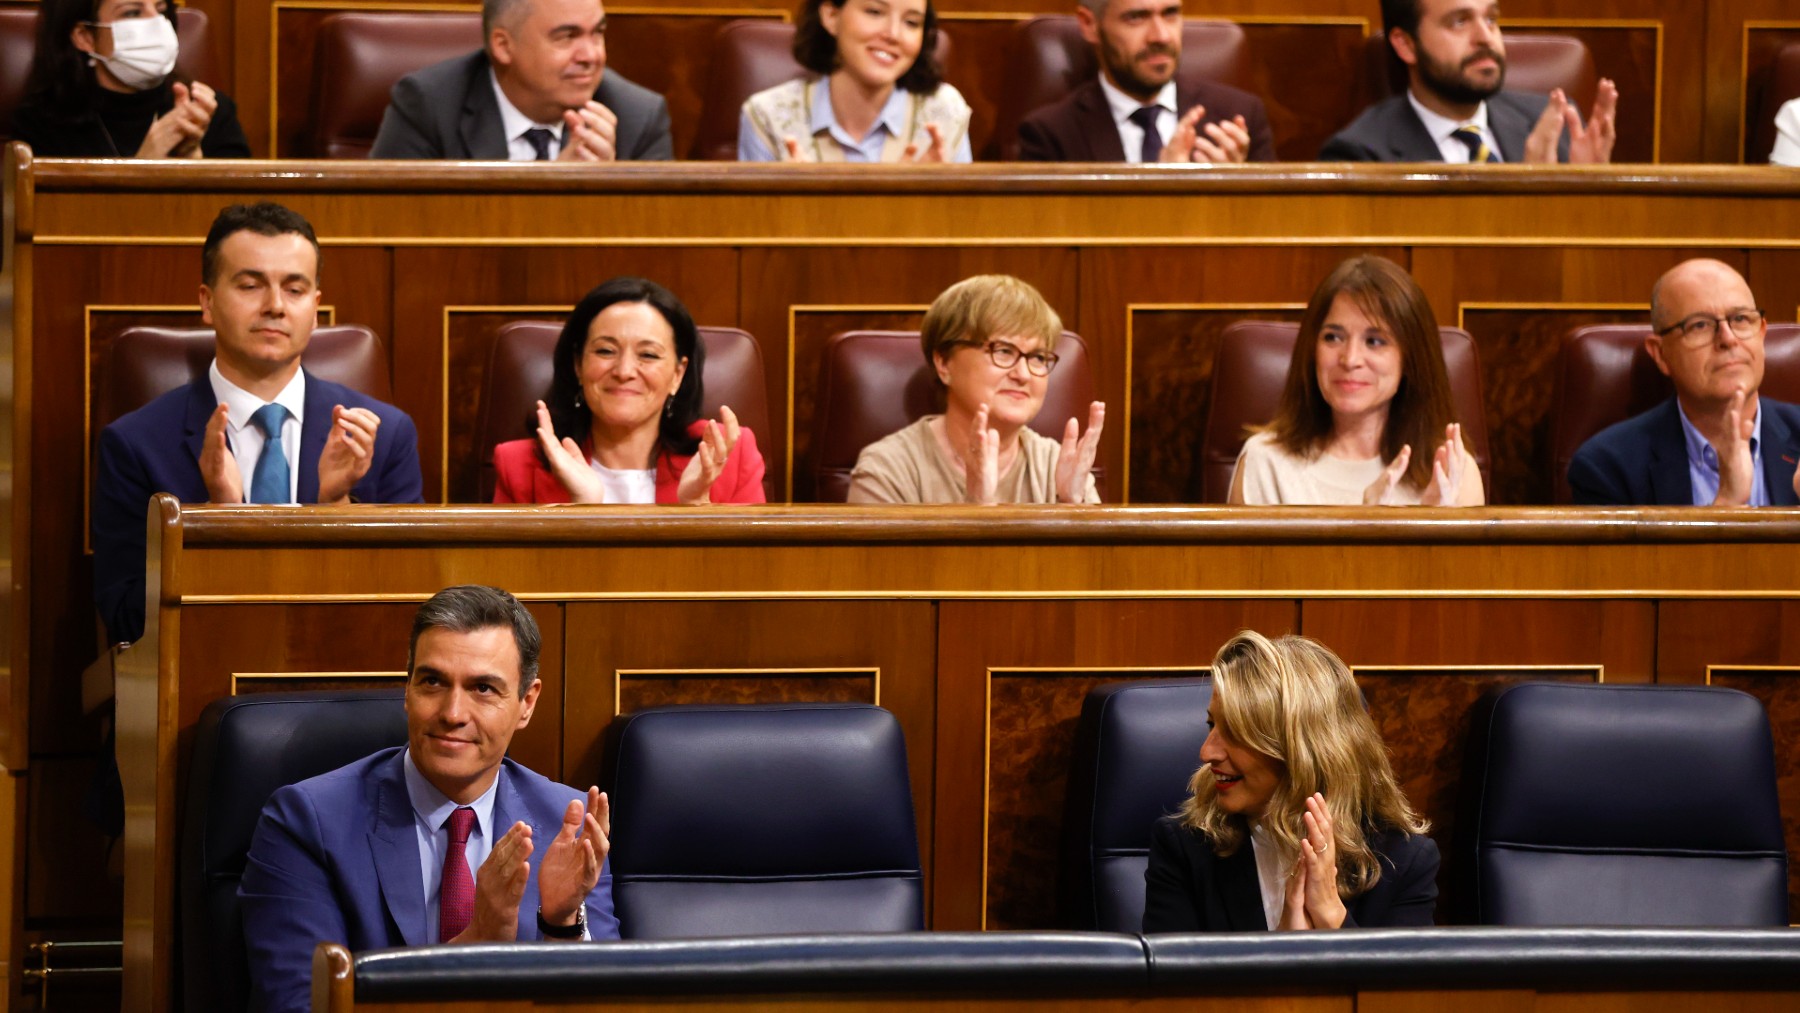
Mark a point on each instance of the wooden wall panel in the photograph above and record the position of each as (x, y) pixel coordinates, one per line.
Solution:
(1778, 688)
(1689, 642)
(1741, 36)
(1619, 636)
(1309, 73)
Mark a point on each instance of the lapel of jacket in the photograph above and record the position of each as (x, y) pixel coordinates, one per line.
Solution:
(1669, 481)
(315, 427)
(1240, 891)
(201, 403)
(483, 134)
(1408, 140)
(1096, 124)
(1779, 455)
(394, 846)
(510, 808)
(1510, 126)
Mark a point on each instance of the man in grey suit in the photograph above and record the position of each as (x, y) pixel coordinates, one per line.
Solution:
(1454, 109)
(538, 91)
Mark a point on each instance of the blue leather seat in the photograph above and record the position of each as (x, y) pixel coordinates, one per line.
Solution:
(761, 820)
(1136, 746)
(1620, 805)
(245, 747)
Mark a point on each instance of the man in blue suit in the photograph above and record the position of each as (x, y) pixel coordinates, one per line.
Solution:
(210, 441)
(443, 841)
(1716, 442)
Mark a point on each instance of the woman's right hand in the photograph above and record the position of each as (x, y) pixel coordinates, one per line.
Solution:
(1385, 489)
(1446, 470)
(567, 462)
(981, 462)
(177, 133)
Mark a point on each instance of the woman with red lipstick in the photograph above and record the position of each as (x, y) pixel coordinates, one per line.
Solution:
(990, 341)
(621, 422)
(1366, 416)
(873, 93)
(1295, 821)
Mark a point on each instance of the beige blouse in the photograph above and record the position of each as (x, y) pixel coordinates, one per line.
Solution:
(910, 467)
(1272, 476)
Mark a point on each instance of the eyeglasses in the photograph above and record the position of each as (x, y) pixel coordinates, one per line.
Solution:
(1703, 328)
(1006, 356)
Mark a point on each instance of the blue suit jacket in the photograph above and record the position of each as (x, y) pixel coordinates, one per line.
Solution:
(157, 449)
(336, 858)
(1642, 461)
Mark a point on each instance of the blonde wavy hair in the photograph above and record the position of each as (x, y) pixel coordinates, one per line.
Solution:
(1294, 701)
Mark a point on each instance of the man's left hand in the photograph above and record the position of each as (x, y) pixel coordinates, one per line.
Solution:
(571, 866)
(349, 451)
(592, 134)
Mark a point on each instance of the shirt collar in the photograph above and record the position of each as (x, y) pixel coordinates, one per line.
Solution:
(240, 404)
(1441, 127)
(1123, 105)
(514, 122)
(433, 807)
(892, 119)
(1698, 449)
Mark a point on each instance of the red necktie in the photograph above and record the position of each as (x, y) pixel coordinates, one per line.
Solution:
(456, 894)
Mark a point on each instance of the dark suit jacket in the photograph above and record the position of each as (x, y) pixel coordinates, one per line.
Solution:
(1080, 127)
(157, 449)
(1642, 461)
(448, 110)
(336, 857)
(1190, 889)
(1390, 131)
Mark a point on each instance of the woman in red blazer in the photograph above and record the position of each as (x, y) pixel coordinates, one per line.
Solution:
(621, 423)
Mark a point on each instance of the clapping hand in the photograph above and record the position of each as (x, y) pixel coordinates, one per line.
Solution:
(1076, 460)
(704, 467)
(1589, 143)
(349, 451)
(592, 133)
(1385, 490)
(567, 462)
(981, 461)
(1446, 470)
(1737, 468)
(1226, 141)
(218, 466)
(1311, 899)
(935, 151)
(499, 889)
(177, 133)
(572, 863)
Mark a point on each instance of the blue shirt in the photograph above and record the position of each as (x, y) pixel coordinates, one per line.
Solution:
(431, 816)
(1703, 462)
(891, 123)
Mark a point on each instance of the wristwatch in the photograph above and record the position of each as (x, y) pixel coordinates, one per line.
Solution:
(575, 931)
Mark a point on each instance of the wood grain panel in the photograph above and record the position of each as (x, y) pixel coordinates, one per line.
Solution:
(1309, 78)
(1779, 691)
(1728, 40)
(1689, 638)
(638, 690)
(1620, 636)
(67, 868)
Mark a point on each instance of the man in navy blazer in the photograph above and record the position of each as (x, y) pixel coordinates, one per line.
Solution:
(1454, 109)
(202, 442)
(1716, 442)
(443, 841)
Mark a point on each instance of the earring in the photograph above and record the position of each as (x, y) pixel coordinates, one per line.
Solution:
(577, 399)
(669, 408)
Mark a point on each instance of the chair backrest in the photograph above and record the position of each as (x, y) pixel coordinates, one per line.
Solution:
(245, 747)
(1047, 58)
(1604, 375)
(18, 44)
(1583, 804)
(1780, 85)
(1136, 746)
(763, 820)
(145, 363)
(1535, 63)
(749, 55)
(358, 57)
(1251, 369)
(872, 383)
(522, 360)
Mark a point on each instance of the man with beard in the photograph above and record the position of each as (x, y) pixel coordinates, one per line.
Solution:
(1454, 109)
(1136, 110)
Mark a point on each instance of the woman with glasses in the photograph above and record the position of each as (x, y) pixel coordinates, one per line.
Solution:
(990, 341)
(1366, 415)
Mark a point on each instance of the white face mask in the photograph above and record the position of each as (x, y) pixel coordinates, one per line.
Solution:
(144, 51)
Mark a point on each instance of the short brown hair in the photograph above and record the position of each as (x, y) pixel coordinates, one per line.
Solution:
(975, 309)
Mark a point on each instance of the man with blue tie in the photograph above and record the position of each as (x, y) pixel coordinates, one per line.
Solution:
(444, 840)
(256, 428)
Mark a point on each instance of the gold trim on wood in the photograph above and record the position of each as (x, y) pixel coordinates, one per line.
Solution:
(619, 675)
(1599, 671)
(1153, 594)
(1566, 307)
(794, 311)
(444, 379)
(1727, 669)
(1468, 241)
(237, 677)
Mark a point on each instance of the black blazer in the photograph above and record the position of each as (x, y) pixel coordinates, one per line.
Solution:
(1642, 461)
(1080, 127)
(1190, 889)
(1390, 131)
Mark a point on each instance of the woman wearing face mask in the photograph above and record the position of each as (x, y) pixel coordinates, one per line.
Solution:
(621, 422)
(873, 93)
(103, 85)
(1295, 820)
(1366, 416)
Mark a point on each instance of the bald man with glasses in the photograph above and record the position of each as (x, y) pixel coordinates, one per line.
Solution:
(1716, 442)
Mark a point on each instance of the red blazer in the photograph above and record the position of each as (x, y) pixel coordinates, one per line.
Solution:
(520, 477)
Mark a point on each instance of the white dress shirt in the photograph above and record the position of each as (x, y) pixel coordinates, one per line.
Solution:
(1273, 867)
(515, 123)
(246, 437)
(1442, 130)
(626, 485)
(1131, 136)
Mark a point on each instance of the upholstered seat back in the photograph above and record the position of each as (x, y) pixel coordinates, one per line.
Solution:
(360, 56)
(1584, 804)
(522, 360)
(1047, 58)
(245, 747)
(872, 383)
(1136, 746)
(1251, 370)
(763, 820)
(1604, 375)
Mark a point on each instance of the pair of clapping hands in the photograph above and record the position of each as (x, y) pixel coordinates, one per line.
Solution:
(938, 150)
(1446, 474)
(592, 134)
(1225, 141)
(1591, 142)
(568, 873)
(570, 464)
(981, 461)
(1737, 466)
(349, 450)
(177, 133)
(1311, 900)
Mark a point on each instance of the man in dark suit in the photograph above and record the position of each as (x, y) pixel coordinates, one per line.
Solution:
(1716, 442)
(1454, 109)
(256, 427)
(1136, 111)
(538, 91)
(443, 841)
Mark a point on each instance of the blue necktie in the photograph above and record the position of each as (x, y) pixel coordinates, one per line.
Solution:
(269, 482)
(1470, 135)
(540, 139)
(1145, 116)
